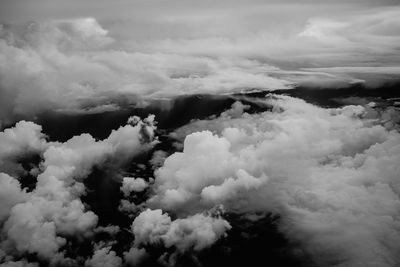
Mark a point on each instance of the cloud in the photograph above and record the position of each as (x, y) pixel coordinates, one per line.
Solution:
(104, 257)
(28, 229)
(135, 256)
(16, 143)
(65, 64)
(195, 232)
(41, 221)
(319, 38)
(10, 194)
(230, 188)
(130, 184)
(23, 138)
(330, 174)
(19, 264)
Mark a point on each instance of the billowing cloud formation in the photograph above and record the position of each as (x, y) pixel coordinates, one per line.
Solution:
(23, 140)
(66, 64)
(41, 220)
(130, 184)
(104, 257)
(331, 174)
(10, 194)
(195, 232)
(77, 65)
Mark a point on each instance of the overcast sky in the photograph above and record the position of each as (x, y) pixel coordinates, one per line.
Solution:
(329, 33)
(161, 47)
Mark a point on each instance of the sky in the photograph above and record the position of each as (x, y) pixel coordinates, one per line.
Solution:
(87, 51)
(172, 132)
(300, 33)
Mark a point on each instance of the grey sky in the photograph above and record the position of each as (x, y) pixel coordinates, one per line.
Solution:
(93, 49)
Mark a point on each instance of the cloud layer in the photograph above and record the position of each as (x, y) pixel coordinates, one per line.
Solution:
(80, 64)
(67, 65)
(331, 174)
(41, 221)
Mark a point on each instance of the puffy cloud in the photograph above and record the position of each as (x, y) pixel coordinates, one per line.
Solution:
(195, 232)
(22, 140)
(41, 221)
(28, 228)
(130, 184)
(10, 194)
(104, 257)
(135, 256)
(231, 188)
(330, 174)
(128, 207)
(150, 225)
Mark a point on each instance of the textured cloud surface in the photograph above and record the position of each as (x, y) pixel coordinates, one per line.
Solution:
(39, 221)
(197, 232)
(235, 160)
(331, 175)
(81, 64)
(70, 64)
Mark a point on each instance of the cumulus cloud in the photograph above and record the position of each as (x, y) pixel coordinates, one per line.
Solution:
(195, 232)
(10, 194)
(331, 174)
(135, 256)
(42, 220)
(22, 140)
(130, 184)
(104, 257)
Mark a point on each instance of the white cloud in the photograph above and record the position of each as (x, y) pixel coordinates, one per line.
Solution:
(331, 175)
(195, 232)
(31, 232)
(231, 188)
(10, 194)
(104, 257)
(22, 140)
(130, 184)
(64, 64)
(41, 221)
(25, 137)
